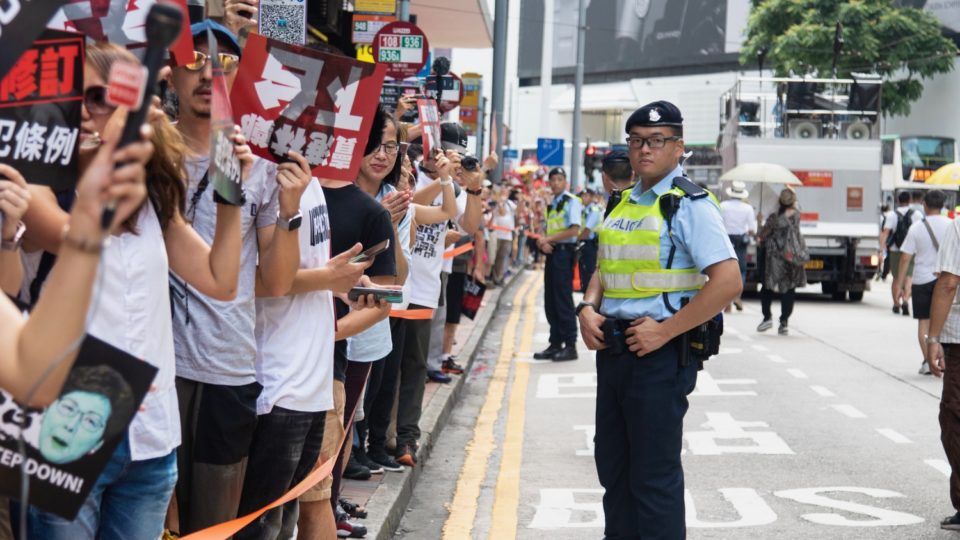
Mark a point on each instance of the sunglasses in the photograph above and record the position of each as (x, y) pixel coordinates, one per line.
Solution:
(95, 100)
(228, 61)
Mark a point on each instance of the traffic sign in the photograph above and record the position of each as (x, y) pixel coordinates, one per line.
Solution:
(402, 47)
(365, 27)
(511, 153)
(451, 93)
(550, 152)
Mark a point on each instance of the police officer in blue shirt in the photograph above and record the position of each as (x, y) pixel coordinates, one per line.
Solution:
(617, 177)
(559, 244)
(592, 215)
(652, 316)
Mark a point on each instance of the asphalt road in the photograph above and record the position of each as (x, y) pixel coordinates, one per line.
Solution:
(826, 433)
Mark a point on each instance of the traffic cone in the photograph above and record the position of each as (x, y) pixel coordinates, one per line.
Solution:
(576, 277)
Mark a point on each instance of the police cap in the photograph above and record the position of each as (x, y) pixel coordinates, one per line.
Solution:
(557, 170)
(658, 113)
(615, 156)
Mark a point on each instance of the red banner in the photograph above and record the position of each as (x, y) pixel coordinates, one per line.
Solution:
(287, 97)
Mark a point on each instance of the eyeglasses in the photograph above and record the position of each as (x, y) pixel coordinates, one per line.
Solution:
(389, 148)
(95, 100)
(655, 142)
(91, 421)
(228, 61)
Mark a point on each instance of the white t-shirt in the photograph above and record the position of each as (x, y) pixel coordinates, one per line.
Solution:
(295, 334)
(423, 283)
(919, 244)
(738, 217)
(507, 221)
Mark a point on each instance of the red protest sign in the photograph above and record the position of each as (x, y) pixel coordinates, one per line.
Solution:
(402, 47)
(126, 84)
(430, 122)
(121, 22)
(225, 171)
(286, 97)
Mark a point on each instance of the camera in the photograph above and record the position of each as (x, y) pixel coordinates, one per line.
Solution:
(468, 162)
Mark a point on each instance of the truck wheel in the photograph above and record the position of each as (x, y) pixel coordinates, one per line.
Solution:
(856, 296)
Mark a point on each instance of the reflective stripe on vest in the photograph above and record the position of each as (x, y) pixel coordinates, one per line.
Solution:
(629, 253)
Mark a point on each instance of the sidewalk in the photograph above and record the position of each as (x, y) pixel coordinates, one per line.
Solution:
(387, 495)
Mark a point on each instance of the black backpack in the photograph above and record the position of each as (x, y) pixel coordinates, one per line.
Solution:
(903, 226)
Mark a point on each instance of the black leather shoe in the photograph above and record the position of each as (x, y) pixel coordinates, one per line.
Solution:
(568, 352)
(547, 354)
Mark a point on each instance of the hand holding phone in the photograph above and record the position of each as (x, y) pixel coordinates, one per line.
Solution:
(372, 252)
(393, 296)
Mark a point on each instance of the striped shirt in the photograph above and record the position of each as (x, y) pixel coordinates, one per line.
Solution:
(949, 261)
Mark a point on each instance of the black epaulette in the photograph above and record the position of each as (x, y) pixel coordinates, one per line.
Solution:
(687, 186)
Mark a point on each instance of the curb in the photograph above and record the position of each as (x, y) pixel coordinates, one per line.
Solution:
(389, 502)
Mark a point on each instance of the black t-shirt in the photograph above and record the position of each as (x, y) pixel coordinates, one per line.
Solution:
(357, 217)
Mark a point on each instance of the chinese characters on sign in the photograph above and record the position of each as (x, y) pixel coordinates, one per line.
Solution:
(287, 97)
(20, 24)
(225, 169)
(430, 120)
(40, 101)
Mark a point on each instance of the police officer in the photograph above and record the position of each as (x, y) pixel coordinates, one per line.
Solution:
(592, 216)
(617, 176)
(559, 244)
(658, 246)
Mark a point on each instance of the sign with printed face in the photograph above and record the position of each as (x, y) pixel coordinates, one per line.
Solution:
(20, 24)
(286, 97)
(40, 105)
(70, 442)
(430, 120)
(224, 164)
(122, 23)
(402, 47)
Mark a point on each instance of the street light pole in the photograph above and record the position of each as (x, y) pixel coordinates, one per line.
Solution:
(501, 11)
(577, 94)
(404, 11)
(546, 68)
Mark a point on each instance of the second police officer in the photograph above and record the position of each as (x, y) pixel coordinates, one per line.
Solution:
(559, 244)
(592, 215)
(666, 270)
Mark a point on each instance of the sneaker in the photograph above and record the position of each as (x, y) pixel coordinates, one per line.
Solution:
(382, 459)
(406, 455)
(347, 529)
(924, 368)
(356, 471)
(352, 509)
(568, 352)
(905, 310)
(765, 325)
(783, 330)
(896, 310)
(951, 523)
(438, 376)
(364, 459)
(547, 354)
(451, 366)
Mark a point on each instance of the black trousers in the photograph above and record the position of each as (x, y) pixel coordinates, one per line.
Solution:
(588, 263)
(558, 295)
(378, 404)
(786, 303)
(641, 403)
(413, 379)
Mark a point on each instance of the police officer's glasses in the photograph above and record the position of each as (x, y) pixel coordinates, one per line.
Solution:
(228, 61)
(655, 142)
(389, 148)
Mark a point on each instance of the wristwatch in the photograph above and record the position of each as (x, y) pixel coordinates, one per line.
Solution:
(582, 305)
(474, 192)
(291, 224)
(14, 243)
(930, 340)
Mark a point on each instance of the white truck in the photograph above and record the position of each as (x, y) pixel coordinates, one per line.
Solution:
(826, 131)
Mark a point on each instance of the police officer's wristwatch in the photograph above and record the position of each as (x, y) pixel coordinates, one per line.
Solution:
(582, 305)
(930, 340)
(14, 243)
(290, 224)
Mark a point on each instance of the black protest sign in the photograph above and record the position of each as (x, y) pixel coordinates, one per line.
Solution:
(69, 443)
(473, 292)
(224, 165)
(40, 106)
(20, 24)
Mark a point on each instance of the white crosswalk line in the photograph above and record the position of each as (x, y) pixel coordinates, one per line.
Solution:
(822, 391)
(939, 465)
(848, 410)
(761, 348)
(797, 373)
(776, 359)
(893, 436)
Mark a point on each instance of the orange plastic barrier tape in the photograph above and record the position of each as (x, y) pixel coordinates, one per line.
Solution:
(500, 228)
(458, 251)
(412, 314)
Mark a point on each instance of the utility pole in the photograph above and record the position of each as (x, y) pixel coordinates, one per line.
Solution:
(501, 11)
(546, 68)
(481, 126)
(577, 94)
(403, 13)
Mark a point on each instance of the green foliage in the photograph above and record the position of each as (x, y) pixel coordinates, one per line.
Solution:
(903, 45)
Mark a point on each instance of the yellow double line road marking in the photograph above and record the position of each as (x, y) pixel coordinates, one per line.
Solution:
(463, 508)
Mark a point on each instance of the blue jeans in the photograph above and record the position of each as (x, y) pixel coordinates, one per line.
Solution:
(129, 500)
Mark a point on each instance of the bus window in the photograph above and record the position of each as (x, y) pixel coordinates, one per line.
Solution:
(886, 152)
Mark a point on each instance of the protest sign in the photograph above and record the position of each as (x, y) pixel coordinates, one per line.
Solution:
(473, 292)
(430, 121)
(122, 23)
(224, 165)
(40, 106)
(287, 97)
(20, 24)
(70, 442)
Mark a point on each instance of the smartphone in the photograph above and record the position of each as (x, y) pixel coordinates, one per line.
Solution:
(372, 252)
(393, 296)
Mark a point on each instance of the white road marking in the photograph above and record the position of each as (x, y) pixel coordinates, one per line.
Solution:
(729, 350)
(723, 428)
(893, 436)
(750, 508)
(882, 516)
(564, 385)
(776, 359)
(848, 410)
(588, 432)
(708, 386)
(797, 373)
(822, 391)
(761, 348)
(940, 465)
(558, 506)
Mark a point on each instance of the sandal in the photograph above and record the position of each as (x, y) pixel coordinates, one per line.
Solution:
(355, 511)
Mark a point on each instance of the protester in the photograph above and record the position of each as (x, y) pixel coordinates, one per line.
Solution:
(502, 223)
(919, 249)
(785, 255)
(894, 233)
(739, 218)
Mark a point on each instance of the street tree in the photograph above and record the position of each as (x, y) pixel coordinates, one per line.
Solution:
(902, 45)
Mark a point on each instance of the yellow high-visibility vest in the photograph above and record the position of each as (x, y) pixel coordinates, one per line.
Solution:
(556, 221)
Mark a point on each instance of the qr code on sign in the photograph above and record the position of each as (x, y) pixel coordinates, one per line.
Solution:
(285, 23)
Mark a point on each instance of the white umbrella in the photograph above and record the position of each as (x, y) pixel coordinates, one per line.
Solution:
(762, 173)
